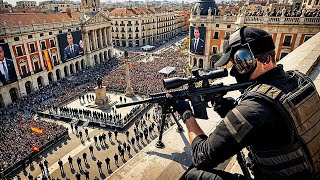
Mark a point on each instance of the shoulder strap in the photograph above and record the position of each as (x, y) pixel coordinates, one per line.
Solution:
(271, 95)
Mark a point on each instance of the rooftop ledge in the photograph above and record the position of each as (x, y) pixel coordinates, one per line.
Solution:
(173, 160)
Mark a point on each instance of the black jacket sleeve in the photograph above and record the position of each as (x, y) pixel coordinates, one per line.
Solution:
(237, 130)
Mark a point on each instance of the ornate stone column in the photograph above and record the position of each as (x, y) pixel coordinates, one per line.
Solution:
(104, 30)
(94, 38)
(100, 38)
(129, 90)
(87, 42)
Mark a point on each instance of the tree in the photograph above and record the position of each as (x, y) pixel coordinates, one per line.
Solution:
(186, 42)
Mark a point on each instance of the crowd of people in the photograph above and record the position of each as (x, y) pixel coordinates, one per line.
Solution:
(25, 109)
(16, 142)
(16, 119)
(144, 130)
(144, 75)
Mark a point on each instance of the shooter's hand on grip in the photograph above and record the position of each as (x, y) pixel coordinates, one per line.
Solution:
(178, 105)
(224, 105)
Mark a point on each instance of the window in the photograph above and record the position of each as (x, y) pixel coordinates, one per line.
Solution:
(217, 25)
(214, 50)
(60, 31)
(306, 38)
(77, 28)
(19, 51)
(2, 41)
(52, 43)
(29, 36)
(228, 26)
(69, 30)
(41, 34)
(32, 48)
(287, 41)
(227, 36)
(50, 33)
(216, 35)
(36, 65)
(16, 39)
(43, 45)
(202, 25)
(24, 70)
(283, 54)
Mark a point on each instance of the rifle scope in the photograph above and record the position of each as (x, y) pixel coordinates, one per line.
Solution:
(175, 82)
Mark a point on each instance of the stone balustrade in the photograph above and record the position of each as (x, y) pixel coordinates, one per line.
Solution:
(259, 19)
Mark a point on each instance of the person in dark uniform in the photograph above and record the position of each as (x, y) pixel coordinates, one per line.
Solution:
(127, 135)
(70, 162)
(99, 164)
(86, 131)
(110, 136)
(61, 165)
(132, 141)
(86, 174)
(91, 150)
(78, 176)
(46, 164)
(79, 162)
(41, 167)
(128, 149)
(116, 158)
(95, 140)
(115, 134)
(107, 160)
(84, 155)
(30, 177)
(258, 119)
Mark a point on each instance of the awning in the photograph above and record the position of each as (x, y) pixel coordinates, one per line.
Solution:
(167, 70)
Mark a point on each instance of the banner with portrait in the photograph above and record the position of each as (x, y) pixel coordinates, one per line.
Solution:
(197, 40)
(71, 45)
(7, 70)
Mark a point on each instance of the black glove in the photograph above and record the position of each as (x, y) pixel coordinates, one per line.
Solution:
(224, 105)
(178, 105)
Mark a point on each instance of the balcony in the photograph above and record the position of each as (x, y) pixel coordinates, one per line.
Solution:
(172, 161)
(129, 24)
(122, 24)
(137, 30)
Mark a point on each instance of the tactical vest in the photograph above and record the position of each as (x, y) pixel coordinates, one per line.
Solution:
(301, 108)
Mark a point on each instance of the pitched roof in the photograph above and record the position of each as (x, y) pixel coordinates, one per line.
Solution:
(27, 19)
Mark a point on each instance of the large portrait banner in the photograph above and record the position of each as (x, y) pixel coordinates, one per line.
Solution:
(197, 42)
(71, 45)
(7, 70)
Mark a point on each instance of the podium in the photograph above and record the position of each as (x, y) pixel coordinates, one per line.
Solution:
(101, 95)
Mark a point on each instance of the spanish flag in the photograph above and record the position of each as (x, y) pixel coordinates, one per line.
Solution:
(47, 60)
(36, 130)
(35, 148)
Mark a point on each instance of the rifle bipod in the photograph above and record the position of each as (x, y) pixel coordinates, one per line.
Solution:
(166, 110)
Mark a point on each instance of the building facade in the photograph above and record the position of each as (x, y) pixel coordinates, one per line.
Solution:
(59, 6)
(39, 48)
(134, 27)
(26, 4)
(5, 7)
(287, 32)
